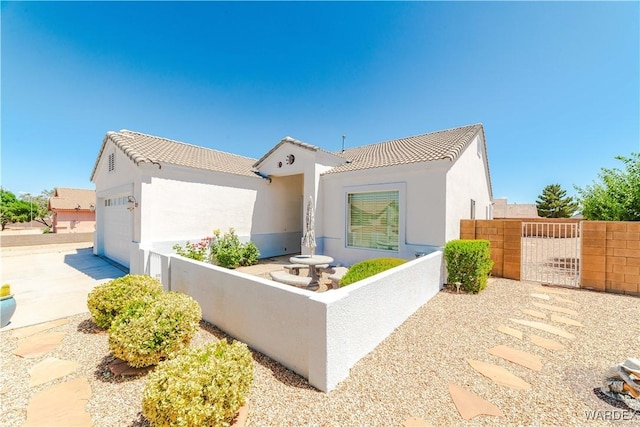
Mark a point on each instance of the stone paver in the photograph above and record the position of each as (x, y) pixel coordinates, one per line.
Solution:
(566, 321)
(62, 405)
(499, 375)
(32, 330)
(534, 313)
(415, 422)
(545, 342)
(38, 345)
(556, 309)
(519, 357)
(50, 369)
(568, 301)
(541, 296)
(510, 331)
(545, 327)
(554, 291)
(470, 405)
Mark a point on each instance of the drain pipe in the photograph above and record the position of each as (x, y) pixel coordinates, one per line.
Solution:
(263, 176)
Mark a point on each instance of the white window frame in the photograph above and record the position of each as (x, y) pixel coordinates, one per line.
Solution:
(376, 188)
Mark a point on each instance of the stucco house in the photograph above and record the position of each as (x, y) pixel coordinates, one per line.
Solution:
(73, 210)
(394, 198)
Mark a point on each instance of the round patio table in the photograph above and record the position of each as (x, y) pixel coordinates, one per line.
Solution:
(312, 261)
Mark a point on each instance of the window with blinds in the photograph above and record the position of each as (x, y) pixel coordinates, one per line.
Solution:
(373, 220)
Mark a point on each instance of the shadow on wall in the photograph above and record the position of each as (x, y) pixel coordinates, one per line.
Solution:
(93, 266)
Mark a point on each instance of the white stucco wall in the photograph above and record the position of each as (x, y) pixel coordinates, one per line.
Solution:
(272, 318)
(188, 204)
(319, 336)
(467, 179)
(422, 208)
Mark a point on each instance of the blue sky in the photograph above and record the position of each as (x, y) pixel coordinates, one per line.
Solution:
(556, 85)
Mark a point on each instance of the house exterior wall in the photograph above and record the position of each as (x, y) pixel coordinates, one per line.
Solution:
(421, 189)
(187, 205)
(467, 179)
(72, 221)
(119, 182)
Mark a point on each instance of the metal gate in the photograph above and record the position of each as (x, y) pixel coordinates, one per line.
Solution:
(551, 253)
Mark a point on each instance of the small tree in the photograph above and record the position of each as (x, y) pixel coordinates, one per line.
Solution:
(554, 203)
(617, 196)
(39, 206)
(12, 209)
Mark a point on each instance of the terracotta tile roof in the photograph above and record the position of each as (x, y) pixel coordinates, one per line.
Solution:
(71, 198)
(143, 148)
(445, 144)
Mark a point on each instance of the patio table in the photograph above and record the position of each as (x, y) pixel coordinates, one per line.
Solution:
(312, 261)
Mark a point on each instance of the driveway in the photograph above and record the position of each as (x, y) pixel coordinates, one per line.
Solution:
(52, 281)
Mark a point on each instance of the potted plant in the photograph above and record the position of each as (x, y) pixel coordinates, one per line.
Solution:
(7, 305)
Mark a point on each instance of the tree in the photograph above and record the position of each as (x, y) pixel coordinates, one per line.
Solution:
(12, 209)
(39, 206)
(554, 203)
(617, 196)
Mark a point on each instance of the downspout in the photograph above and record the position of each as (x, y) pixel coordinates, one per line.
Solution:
(263, 176)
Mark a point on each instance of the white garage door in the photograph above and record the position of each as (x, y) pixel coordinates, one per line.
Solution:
(116, 232)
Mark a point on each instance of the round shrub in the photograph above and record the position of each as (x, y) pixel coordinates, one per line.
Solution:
(150, 331)
(368, 268)
(108, 300)
(203, 386)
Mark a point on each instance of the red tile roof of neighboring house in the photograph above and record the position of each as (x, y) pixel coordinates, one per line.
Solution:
(72, 198)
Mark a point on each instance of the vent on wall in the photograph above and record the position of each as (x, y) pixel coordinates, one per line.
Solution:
(112, 162)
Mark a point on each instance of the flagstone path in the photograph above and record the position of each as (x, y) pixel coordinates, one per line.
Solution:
(62, 404)
(469, 404)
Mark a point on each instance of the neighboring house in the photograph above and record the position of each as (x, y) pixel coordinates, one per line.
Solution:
(396, 198)
(502, 209)
(73, 210)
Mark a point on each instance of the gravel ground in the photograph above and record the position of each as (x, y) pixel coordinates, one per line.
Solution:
(406, 376)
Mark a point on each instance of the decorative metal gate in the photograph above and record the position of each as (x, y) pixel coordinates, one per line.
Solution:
(551, 253)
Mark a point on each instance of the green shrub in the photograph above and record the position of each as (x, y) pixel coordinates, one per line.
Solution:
(227, 250)
(368, 268)
(150, 331)
(199, 387)
(469, 263)
(250, 254)
(108, 300)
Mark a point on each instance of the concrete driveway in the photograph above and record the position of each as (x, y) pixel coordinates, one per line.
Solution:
(52, 281)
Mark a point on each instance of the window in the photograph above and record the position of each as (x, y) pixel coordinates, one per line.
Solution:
(373, 220)
(473, 209)
(112, 162)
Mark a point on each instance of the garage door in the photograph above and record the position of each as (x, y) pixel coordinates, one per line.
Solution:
(117, 229)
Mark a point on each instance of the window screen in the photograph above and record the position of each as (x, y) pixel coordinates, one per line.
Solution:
(373, 220)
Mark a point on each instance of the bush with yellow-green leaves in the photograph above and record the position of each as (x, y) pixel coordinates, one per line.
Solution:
(149, 331)
(203, 386)
(108, 300)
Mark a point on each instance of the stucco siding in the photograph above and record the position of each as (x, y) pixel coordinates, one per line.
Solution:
(422, 212)
(467, 180)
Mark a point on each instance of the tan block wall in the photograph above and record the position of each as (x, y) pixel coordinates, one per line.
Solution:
(609, 252)
(611, 256)
(504, 239)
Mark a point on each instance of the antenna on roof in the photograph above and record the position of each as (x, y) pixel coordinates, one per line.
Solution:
(343, 138)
